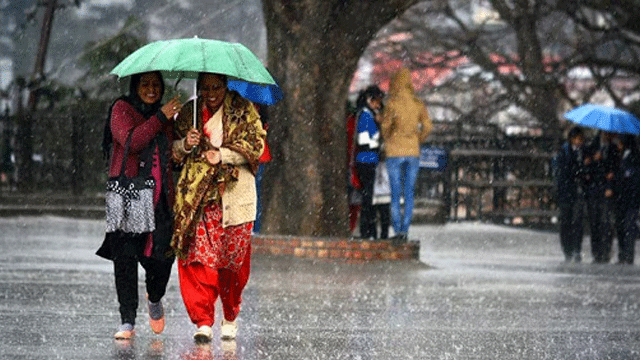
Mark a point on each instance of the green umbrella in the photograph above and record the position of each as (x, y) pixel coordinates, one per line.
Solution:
(185, 58)
(188, 57)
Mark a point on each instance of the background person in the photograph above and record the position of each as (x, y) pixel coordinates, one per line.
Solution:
(405, 125)
(569, 197)
(382, 199)
(601, 162)
(354, 185)
(367, 155)
(216, 202)
(265, 158)
(627, 195)
(142, 115)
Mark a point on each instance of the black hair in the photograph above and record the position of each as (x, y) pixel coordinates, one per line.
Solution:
(371, 92)
(147, 110)
(574, 132)
(201, 75)
(135, 81)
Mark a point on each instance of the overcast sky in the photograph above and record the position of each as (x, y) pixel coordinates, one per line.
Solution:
(229, 20)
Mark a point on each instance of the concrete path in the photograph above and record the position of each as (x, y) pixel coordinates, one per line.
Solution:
(480, 292)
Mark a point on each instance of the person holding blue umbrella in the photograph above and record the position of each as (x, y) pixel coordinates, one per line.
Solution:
(601, 162)
(601, 171)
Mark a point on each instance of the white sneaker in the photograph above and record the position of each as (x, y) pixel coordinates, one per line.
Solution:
(204, 334)
(228, 330)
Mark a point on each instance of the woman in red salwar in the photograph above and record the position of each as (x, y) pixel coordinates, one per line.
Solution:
(215, 202)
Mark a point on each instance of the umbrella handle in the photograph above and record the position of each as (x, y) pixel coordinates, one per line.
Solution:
(175, 86)
(195, 102)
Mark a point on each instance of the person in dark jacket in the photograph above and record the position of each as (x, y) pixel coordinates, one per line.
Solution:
(142, 115)
(627, 198)
(368, 155)
(568, 173)
(600, 165)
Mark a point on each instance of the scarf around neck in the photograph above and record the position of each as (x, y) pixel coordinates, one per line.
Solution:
(199, 183)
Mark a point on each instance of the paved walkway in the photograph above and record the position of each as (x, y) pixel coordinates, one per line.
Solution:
(480, 292)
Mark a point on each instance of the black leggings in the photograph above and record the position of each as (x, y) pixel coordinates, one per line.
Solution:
(157, 273)
(367, 175)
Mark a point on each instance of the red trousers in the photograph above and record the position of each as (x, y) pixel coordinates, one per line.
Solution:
(201, 285)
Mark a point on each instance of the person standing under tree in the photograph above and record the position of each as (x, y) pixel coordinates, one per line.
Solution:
(368, 155)
(382, 199)
(405, 125)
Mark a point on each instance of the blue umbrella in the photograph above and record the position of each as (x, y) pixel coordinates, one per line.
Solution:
(267, 94)
(604, 118)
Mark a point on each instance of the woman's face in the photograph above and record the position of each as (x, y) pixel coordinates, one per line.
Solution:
(212, 90)
(150, 88)
(375, 103)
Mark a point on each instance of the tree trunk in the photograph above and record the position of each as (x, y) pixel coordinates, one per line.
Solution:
(25, 123)
(313, 48)
(542, 101)
(541, 90)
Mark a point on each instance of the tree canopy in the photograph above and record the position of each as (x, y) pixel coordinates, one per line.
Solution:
(522, 59)
(519, 62)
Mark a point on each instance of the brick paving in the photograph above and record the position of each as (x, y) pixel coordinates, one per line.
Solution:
(334, 248)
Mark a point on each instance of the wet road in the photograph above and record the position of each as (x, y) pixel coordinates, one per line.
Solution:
(488, 292)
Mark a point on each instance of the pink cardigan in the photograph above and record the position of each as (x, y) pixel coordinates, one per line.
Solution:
(125, 117)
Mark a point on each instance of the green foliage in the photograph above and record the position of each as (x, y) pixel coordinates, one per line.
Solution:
(102, 56)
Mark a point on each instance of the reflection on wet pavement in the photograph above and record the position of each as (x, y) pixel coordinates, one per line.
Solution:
(482, 292)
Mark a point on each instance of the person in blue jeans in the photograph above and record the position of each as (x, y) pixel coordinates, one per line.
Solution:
(405, 125)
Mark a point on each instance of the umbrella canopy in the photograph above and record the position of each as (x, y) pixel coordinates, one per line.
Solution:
(186, 58)
(604, 118)
(263, 94)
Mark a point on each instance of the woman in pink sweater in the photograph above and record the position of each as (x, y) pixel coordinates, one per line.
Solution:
(148, 123)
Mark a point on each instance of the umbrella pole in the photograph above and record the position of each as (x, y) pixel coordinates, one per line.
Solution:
(195, 106)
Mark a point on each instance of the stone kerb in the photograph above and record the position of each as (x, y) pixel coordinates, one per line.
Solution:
(334, 248)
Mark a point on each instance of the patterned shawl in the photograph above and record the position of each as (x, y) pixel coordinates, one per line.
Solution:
(200, 183)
